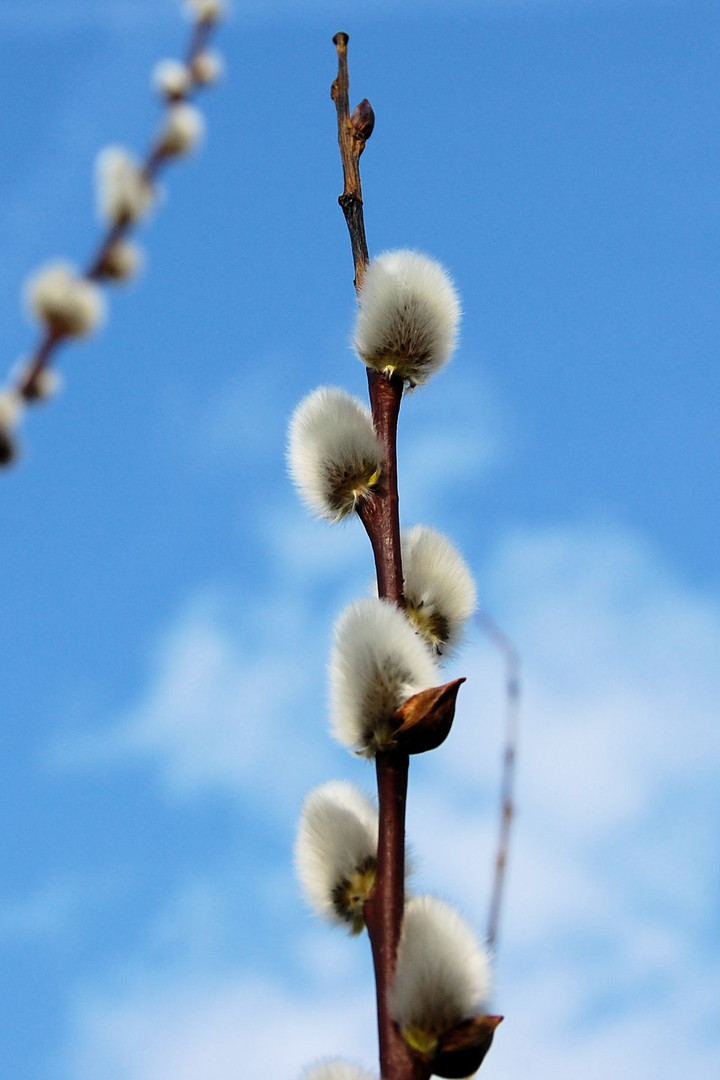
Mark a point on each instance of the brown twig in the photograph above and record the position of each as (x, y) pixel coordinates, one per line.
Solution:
(507, 787)
(384, 908)
(40, 358)
(353, 132)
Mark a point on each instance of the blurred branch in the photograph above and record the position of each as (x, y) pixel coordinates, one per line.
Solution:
(26, 381)
(507, 787)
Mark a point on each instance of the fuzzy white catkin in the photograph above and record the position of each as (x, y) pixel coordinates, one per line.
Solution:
(182, 131)
(171, 78)
(68, 305)
(124, 194)
(336, 1069)
(408, 316)
(337, 837)
(443, 975)
(377, 663)
(206, 68)
(334, 455)
(440, 594)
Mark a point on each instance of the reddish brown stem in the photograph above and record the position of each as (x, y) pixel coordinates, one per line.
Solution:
(384, 908)
(151, 166)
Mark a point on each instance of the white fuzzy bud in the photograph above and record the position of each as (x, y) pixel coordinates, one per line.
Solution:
(68, 305)
(124, 193)
(334, 455)
(208, 11)
(182, 131)
(336, 852)
(439, 590)
(172, 79)
(121, 262)
(207, 67)
(335, 1070)
(408, 316)
(442, 976)
(377, 663)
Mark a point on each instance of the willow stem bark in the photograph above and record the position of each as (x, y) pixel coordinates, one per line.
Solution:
(380, 516)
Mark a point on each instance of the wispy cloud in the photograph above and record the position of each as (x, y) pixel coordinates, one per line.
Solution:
(606, 943)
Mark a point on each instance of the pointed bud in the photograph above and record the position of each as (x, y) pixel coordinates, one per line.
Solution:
(124, 193)
(68, 305)
(172, 79)
(377, 663)
(336, 852)
(363, 120)
(425, 720)
(335, 1070)
(334, 456)
(442, 977)
(408, 316)
(439, 590)
(182, 131)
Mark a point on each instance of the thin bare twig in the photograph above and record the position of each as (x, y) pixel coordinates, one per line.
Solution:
(41, 357)
(509, 758)
(384, 908)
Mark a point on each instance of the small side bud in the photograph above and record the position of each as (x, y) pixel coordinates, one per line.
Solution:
(439, 590)
(182, 131)
(205, 11)
(442, 976)
(46, 384)
(124, 193)
(206, 68)
(408, 316)
(336, 852)
(172, 79)
(334, 456)
(121, 262)
(68, 305)
(377, 663)
(336, 1069)
(363, 120)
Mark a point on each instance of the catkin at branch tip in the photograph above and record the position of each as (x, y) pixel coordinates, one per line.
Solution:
(334, 456)
(408, 316)
(336, 852)
(443, 974)
(440, 594)
(377, 663)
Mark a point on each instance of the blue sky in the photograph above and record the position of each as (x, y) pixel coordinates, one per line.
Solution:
(169, 605)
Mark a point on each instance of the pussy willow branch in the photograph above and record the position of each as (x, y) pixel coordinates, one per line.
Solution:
(154, 160)
(384, 907)
(507, 787)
